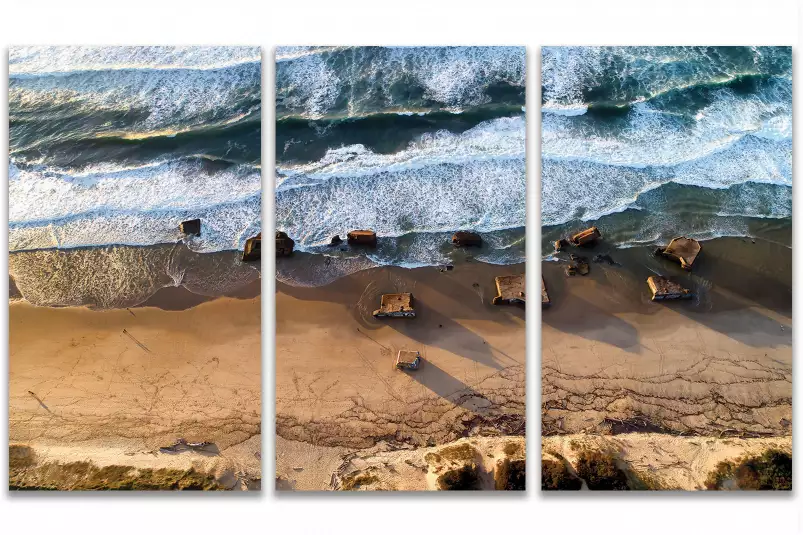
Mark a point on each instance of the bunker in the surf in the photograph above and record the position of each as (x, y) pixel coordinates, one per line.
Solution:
(586, 238)
(510, 290)
(682, 250)
(253, 248)
(398, 305)
(284, 244)
(465, 238)
(191, 227)
(364, 238)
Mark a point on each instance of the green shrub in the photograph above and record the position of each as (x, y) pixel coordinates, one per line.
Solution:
(463, 478)
(772, 470)
(600, 472)
(556, 476)
(510, 475)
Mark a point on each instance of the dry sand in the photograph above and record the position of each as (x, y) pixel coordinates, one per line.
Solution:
(339, 393)
(113, 386)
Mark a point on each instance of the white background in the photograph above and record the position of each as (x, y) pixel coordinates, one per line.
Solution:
(411, 22)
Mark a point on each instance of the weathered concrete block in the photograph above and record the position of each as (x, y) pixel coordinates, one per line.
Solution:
(586, 238)
(191, 227)
(395, 306)
(365, 238)
(466, 239)
(253, 248)
(284, 244)
(663, 288)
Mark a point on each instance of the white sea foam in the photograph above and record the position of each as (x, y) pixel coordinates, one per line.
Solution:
(50, 60)
(499, 139)
(135, 206)
(629, 74)
(311, 82)
(145, 99)
(441, 182)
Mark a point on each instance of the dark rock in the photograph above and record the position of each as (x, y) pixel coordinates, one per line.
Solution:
(191, 227)
(365, 238)
(466, 239)
(253, 248)
(560, 245)
(578, 266)
(600, 258)
(284, 244)
(335, 241)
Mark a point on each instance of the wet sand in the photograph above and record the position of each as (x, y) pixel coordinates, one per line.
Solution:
(338, 390)
(719, 365)
(113, 386)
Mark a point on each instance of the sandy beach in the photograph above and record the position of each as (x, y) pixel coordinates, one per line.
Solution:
(114, 386)
(339, 396)
(718, 366)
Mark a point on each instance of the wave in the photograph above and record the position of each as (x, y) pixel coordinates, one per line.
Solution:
(59, 60)
(90, 103)
(357, 80)
(410, 250)
(581, 190)
(440, 183)
(497, 140)
(576, 76)
(660, 213)
(224, 227)
(140, 205)
(646, 136)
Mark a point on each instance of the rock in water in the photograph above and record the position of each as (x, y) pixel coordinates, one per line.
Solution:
(681, 250)
(191, 227)
(365, 238)
(284, 244)
(336, 240)
(586, 238)
(466, 239)
(253, 248)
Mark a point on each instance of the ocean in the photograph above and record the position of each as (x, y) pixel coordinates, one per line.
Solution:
(414, 143)
(113, 147)
(649, 143)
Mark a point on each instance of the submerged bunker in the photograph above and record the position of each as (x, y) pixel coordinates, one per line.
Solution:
(510, 290)
(284, 244)
(395, 306)
(681, 250)
(191, 227)
(362, 237)
(464, 238)
(663, 289)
